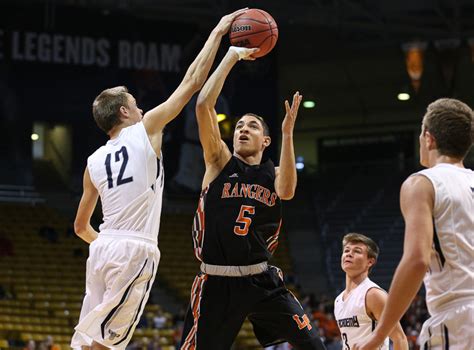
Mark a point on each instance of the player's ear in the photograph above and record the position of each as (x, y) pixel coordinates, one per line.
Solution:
(123, 112)
(267, 140)
(430, 140)
(371, 262)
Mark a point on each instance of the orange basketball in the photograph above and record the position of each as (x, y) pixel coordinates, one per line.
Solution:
(254, 28)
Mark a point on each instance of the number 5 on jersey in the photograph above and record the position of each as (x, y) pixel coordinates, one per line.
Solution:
(243, 222)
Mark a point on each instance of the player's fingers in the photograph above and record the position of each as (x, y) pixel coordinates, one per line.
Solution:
(238, 12)
(298, 102)
(243, 52)
(300, 98)
(295, 100)
(287, 107)
(295, 96)
(251, 52)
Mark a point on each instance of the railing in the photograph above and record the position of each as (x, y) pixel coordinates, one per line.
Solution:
(19, 194)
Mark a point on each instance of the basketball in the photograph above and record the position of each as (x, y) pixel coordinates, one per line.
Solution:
(254, 28)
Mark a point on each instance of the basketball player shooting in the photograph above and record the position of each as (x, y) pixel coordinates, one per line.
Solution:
(438, 208)
(236, 230)
(128, 178)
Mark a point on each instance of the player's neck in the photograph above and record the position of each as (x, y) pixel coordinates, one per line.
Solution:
(436, 159)
(115, 131)
(352, 282)
(250, 160)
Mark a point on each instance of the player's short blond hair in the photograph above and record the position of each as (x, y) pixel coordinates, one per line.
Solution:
(106, 107)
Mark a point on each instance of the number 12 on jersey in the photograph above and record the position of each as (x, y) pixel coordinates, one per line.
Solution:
(243, 222)
(108, 168)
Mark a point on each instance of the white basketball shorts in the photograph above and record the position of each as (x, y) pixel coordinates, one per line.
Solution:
(120, 274)
(450, 329)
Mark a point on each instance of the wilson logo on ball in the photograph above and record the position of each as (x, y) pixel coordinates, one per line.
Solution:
(236, 29)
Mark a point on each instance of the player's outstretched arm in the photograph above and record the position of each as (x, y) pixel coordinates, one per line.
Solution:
(375, 303)
(416, 202)
(156, 119)
(215, 150)
(286, 179)
(82, 225)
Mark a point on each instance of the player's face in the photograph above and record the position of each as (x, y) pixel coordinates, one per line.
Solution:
(354, 259)
(135, 114)
(249, 138)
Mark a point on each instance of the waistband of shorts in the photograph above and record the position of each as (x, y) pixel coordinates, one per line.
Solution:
(234, 271)
(124, 234)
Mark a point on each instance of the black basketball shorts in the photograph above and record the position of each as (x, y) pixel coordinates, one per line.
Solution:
(219, 306)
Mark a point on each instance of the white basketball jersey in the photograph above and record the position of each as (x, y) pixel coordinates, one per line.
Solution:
(129, 178)
(351, 316)
(450, 276)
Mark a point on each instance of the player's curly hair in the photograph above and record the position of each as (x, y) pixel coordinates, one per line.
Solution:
(451, 122)
(106, 106)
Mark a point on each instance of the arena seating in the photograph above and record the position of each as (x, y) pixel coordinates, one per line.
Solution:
(41, 275)
(364, 201)
(42, 268)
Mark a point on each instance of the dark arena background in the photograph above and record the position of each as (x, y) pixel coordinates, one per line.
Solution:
(366, 69)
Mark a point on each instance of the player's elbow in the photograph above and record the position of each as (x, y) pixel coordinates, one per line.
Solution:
(285, 189)
(287, 197)
(421, 257)
(79, 228)
(286, 193)
(424, 264)
(202, 103)
(419, 262)
(204, 109)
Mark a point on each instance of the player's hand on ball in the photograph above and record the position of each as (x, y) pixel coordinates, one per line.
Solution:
(291, 114)
(244, 53)
(224, 24)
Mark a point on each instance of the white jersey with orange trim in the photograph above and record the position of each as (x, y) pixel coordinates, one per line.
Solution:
(450, 277)
(352, 318)
(129, 178)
